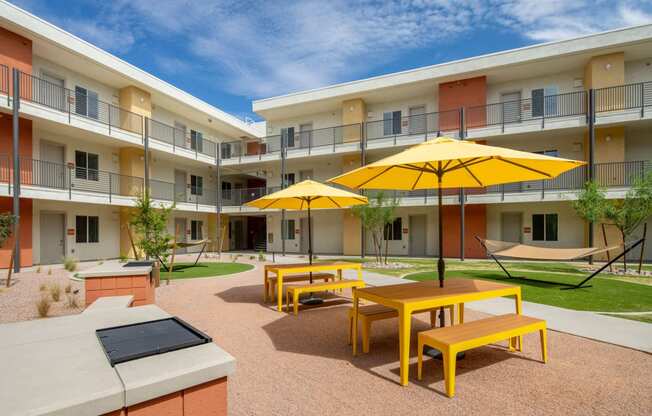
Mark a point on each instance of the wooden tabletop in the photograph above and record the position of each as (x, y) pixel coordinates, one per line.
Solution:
(336, 264)
(429, 290)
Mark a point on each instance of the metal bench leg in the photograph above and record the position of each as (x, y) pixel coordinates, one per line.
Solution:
(544, 351)
(419, 359)
(450, 361)
(366, 330)
(295, 300)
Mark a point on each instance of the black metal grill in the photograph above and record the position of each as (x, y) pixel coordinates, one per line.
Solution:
(131, 342)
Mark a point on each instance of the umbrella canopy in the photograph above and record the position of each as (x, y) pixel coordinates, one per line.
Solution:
(308, 194)
(449, 163)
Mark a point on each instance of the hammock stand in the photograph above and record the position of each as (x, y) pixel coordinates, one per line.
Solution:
(176, 245)
(523, 251)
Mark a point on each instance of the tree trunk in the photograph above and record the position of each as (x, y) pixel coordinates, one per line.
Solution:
(386, 249)
(625, 256)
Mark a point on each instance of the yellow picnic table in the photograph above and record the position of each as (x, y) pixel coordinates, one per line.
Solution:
(281, 270)
(410, 297)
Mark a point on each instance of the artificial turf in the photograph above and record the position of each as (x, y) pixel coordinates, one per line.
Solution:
(188, 270)
(604, 295)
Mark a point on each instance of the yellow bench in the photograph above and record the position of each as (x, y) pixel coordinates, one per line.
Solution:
(370, 313)
(453, 339)
(293, 291)
(270, 284)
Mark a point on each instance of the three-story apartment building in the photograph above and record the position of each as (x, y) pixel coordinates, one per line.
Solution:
(94, 131)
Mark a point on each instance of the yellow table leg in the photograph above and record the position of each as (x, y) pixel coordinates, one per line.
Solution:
(295, 300)
(404, 323)
(519, 311)
(461, 313)
(419, 358)
(279, 290)
(356, 301)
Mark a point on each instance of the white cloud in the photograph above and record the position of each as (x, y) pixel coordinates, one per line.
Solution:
(265, 48)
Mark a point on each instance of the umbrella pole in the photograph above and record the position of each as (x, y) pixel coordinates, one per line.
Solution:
(441, 267)
(311, 299)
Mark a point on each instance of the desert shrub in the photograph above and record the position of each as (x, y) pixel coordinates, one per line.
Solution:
(43, 306)
(69, 264)
(71, 301)
(55, 292)
(42, 287)
(68, 288)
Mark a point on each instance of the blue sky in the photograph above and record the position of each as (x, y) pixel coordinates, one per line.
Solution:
(231, 52)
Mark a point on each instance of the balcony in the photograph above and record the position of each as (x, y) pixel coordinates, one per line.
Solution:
(411, 129)
(45, 99)
(233, 200)
(66, 182)
(299, 144)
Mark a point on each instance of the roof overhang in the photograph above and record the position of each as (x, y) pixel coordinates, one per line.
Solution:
(524, 62)
(115, 71)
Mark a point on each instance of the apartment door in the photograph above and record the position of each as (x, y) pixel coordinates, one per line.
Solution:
(511, 223)
(238, 234)
(418, 119)
(180, 186)
(417, 234)
(51, 170)
(51, 92)
(305, 136)
(511, 107)
(52, 226)
(181, 232)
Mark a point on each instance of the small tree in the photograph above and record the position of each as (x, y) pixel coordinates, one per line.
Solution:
(374, 217)
(629, 213)
(150, 225)
(626, 214)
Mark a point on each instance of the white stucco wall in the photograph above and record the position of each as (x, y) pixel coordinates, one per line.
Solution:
(109, 242)
(639, 70)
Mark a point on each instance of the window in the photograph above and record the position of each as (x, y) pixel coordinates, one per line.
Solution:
(544, 101)
(196, 185)
(551, 152)
(394, 230)
(196, 141)
(289, 179)
(391, 123)
(287, 136)
(86, 166)
(196, 230)
(87, 229)
(288, 230)
(544, 227)
(226, 190)
(537, 102)
(86, 102)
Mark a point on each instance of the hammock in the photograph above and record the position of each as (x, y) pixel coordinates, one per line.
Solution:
(523, 251)
(175, 245)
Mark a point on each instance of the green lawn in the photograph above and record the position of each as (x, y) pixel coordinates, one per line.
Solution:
(647, 318)
(605, 295)
(188, 270)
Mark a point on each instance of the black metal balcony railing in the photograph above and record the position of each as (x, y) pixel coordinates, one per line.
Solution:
(178, 138)
(237, 197)
(414, 125)
(527, 110)
(4, 81)
(79, 103)
(624, 97)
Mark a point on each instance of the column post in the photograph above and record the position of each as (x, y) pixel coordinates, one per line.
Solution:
(16, 167)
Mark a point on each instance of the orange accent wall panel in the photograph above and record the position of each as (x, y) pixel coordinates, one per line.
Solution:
(140, 287)
(15, 52)
(475, 223)
(467, 93)
(26, 260)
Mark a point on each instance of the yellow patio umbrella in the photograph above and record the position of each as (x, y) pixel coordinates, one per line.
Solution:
(449, 163)
(306, 195)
